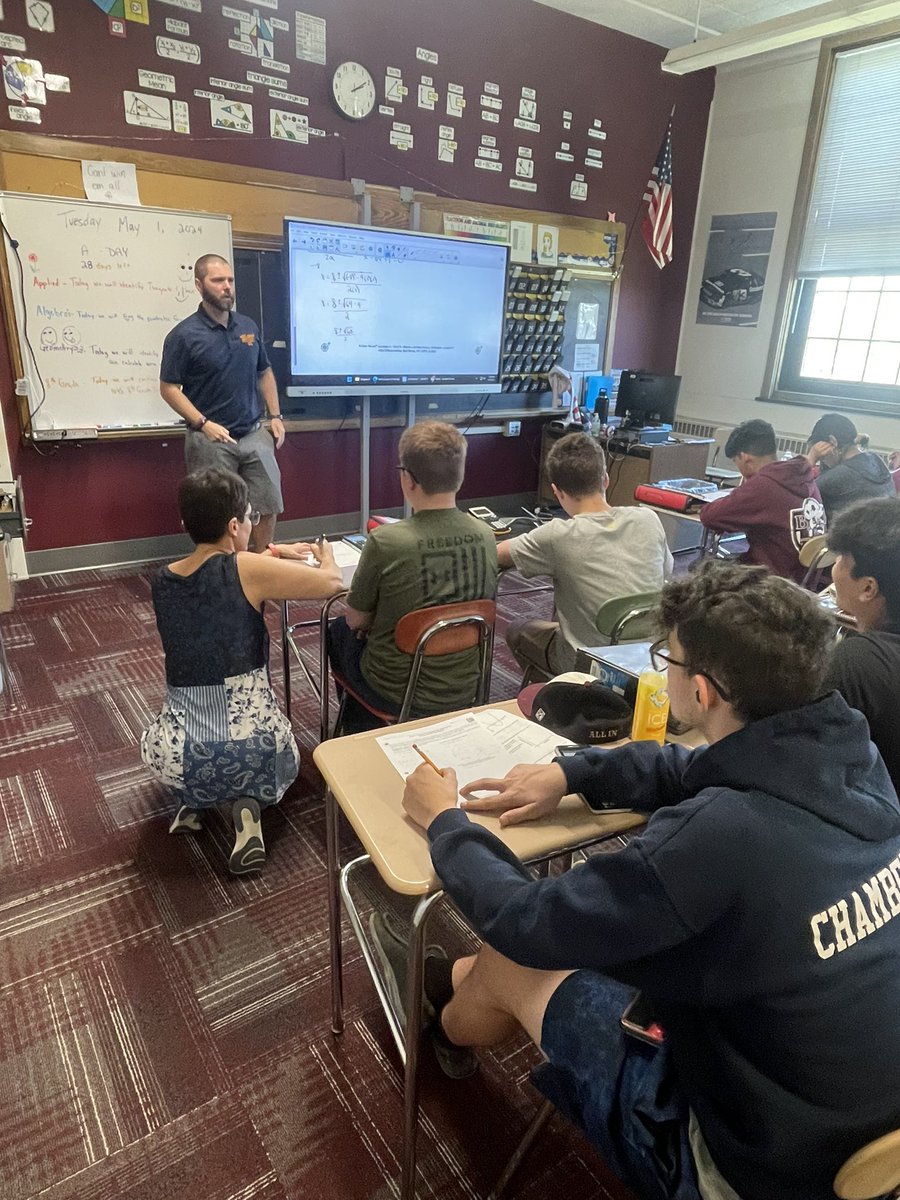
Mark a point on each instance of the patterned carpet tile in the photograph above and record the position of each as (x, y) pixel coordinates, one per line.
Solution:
(213, 1152)
(96, 1056)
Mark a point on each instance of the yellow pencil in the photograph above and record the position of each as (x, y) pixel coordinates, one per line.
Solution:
(423, 755)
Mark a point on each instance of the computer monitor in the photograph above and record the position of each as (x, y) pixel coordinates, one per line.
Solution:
(646, 399)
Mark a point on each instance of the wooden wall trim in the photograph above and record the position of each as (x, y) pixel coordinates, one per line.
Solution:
(258, 199)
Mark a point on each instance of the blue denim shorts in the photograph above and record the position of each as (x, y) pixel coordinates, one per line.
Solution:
(621, 1091)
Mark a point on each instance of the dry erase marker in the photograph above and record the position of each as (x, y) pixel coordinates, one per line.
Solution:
(424, 756)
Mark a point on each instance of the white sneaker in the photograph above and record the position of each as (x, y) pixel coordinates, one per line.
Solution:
(187, 820)
(249, 853)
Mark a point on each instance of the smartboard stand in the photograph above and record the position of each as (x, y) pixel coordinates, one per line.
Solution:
(407, 197)
(364, 200)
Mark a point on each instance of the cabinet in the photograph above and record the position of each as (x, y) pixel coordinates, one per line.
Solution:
(644, 464)
(649, 464)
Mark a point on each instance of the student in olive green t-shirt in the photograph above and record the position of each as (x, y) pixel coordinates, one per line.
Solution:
(438, 556)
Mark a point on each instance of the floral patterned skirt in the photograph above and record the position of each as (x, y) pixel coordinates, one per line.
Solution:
(215, 743)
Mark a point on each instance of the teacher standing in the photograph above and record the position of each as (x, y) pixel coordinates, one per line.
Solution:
(216, 375)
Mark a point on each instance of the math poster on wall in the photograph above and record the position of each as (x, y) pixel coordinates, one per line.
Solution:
(734, 274)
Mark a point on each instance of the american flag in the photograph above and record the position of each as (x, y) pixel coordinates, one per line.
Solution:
(657, 224)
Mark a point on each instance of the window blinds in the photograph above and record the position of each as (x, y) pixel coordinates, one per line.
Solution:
(853, 221)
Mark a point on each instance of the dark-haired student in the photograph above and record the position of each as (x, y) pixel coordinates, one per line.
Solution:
(221, 737)
(865, 666)
(759, 912)
(599, 554)
(848, 470)
(777, 506)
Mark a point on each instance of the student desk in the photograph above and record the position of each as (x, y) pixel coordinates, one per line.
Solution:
(362, 783)
(707, 543)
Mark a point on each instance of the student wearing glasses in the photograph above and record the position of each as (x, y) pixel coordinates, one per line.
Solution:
(758, 913)
(221, 737)
(439, 555)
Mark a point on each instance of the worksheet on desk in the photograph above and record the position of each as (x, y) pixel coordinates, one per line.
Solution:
(345, 555)
(483, 745)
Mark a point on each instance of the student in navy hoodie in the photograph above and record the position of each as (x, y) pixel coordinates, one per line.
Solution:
(759, 912)
(777, 506)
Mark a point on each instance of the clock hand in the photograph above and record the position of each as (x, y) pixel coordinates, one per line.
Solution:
(358, 86)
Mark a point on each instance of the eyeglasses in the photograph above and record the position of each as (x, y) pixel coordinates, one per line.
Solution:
(253, 517)
(400, 467)
(660, 659)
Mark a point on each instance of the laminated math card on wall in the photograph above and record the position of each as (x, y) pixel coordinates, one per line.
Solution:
(93, 290)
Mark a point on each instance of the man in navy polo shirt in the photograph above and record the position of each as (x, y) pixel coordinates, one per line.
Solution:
(216, 376)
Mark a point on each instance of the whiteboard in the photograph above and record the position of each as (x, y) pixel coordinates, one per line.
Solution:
(99, 288)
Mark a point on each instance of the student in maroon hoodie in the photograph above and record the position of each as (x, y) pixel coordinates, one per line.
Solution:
(777, 506)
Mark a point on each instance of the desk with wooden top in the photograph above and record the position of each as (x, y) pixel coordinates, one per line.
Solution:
(363, 784)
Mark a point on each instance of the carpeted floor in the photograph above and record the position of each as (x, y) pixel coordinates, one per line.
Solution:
(165, 1027)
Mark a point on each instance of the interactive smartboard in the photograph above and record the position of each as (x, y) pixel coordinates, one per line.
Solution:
(95, 289)
(392, 312)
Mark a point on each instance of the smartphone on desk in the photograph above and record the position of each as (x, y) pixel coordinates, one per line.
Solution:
(356, 540)
(499, 525)
(638, 1021)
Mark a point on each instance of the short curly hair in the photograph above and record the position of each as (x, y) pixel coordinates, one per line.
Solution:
(762, 638)
(577, 465)
(208, 499)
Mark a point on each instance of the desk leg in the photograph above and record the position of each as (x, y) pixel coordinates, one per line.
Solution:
(414, 997)
(286, 657)
(334, 912)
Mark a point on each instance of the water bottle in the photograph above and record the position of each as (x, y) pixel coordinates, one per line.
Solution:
(651, 707)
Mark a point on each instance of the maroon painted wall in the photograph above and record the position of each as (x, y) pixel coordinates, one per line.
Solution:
(572, 64)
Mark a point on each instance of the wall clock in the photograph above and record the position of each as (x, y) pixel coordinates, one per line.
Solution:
(353, 90)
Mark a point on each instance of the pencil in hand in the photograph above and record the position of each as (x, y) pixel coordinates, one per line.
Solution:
(425, 758)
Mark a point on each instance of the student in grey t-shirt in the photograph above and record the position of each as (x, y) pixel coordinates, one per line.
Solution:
(601, 553)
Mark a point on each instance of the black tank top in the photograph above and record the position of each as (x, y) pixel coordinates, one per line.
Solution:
(209, 629)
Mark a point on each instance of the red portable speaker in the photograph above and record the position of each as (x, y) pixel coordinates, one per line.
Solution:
(665, 498)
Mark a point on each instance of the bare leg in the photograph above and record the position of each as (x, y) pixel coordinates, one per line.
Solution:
(262, 534)
(493, 997)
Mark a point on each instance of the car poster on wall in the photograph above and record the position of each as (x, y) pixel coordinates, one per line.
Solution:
(737, 258)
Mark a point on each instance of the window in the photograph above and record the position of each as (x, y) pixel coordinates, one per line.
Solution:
(841, 346)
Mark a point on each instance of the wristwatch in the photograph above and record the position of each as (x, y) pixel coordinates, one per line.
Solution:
(199, 425)
(273, 417)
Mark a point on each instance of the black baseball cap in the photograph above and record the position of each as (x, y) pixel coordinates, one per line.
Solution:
(576, 706)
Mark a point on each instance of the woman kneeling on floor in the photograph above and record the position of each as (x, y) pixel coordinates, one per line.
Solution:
(221, 737)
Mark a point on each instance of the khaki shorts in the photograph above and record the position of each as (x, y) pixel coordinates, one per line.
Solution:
(252, 457)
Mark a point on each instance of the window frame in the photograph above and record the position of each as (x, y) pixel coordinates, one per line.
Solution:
(878, 399)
